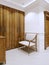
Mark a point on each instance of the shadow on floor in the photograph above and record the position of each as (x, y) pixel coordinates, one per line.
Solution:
(27, 50)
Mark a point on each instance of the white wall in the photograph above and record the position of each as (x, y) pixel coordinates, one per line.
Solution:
(31, 22)
(41, 31)
(34, 22)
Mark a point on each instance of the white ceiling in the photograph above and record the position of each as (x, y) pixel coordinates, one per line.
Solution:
(22, 3)
(26, 4)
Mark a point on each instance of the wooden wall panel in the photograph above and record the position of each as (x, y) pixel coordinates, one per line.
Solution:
(2, 36)
(1, 21)
(12, 38)
(12, 28)
(16, 28)
(12, 21)
(2, 49)
(21, 24)
(46, 17)
(6, 21)
(47, 33)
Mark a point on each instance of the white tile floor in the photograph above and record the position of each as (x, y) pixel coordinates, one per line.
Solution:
(19, 57)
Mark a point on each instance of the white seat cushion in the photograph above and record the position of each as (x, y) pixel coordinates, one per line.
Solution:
(26, 43)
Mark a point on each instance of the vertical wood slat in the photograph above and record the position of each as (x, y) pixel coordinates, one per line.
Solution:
(1, 20)
(10, 30)
(13, 30)
(21, 24)
(2, 49)
(7, 29)
(16, 28)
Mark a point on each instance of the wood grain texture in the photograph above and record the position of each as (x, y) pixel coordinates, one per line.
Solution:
(13, 24)
(46, 19)
(2, 50)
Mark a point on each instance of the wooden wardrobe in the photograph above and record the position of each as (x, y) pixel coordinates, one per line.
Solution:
(13, 24)
(46, 18)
